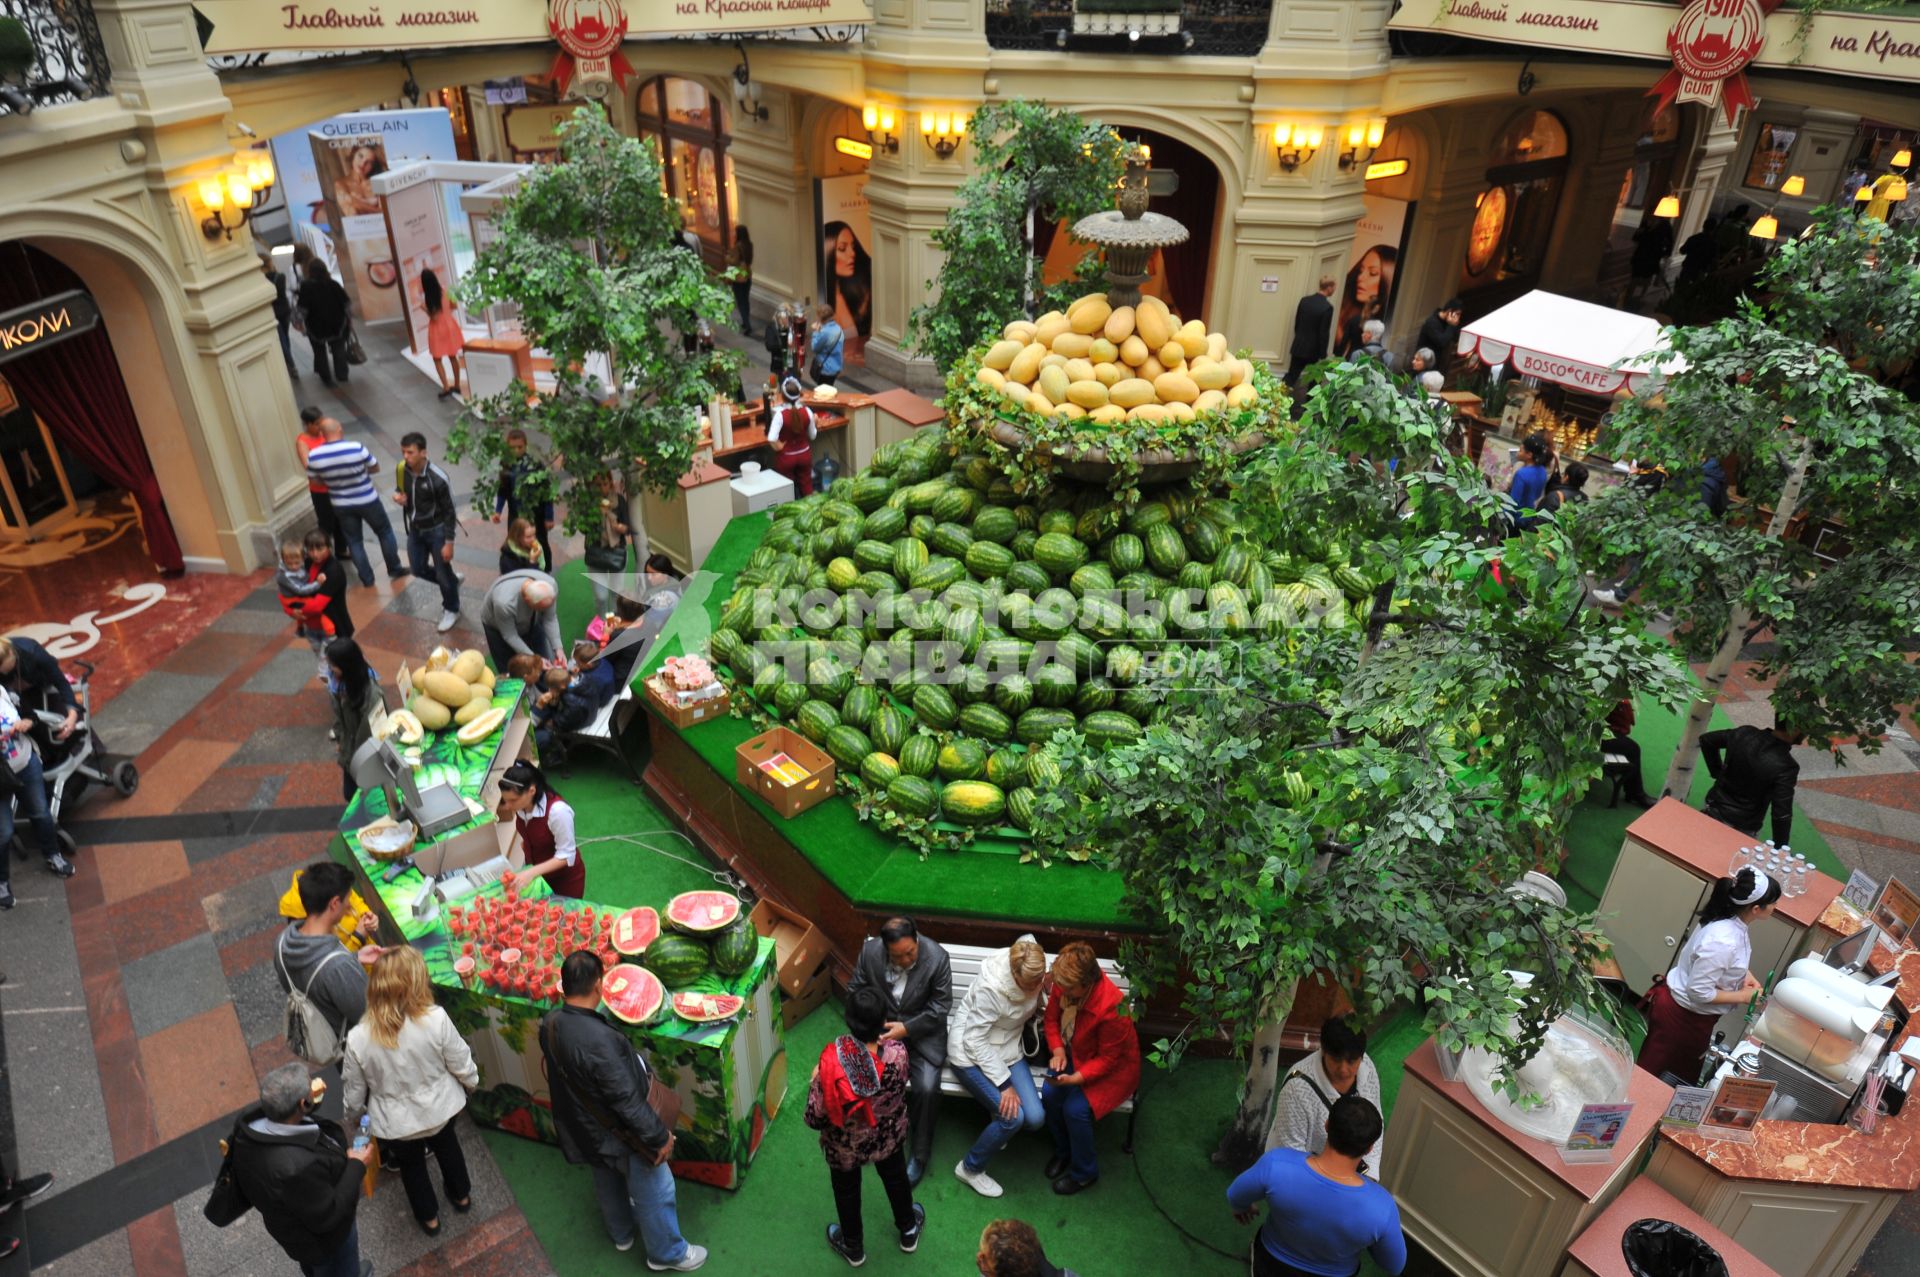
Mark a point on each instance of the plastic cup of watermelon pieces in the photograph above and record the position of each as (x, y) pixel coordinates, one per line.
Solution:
(463, 967)
(509, 956)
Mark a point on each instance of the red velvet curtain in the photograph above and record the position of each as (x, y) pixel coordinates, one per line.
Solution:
(77, 389)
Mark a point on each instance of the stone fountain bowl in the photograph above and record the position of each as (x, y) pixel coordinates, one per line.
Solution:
(1090, 465)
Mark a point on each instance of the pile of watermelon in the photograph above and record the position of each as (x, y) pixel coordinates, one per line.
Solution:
(509, 945)
(929, 627)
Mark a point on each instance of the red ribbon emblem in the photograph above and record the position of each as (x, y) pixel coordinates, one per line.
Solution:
(1711, 44)
(591, 33)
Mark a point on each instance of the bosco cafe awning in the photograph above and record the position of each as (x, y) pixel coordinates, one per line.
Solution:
(1593, 349)
(259, 26)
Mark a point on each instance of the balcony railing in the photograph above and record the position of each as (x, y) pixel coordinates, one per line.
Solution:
(1217, 28)
(70, 62)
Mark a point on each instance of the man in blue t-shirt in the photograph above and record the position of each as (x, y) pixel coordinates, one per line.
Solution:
(1321, 1211)
(346, 468)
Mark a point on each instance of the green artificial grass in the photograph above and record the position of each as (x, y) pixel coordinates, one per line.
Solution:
(650, 869)
(1594, 834)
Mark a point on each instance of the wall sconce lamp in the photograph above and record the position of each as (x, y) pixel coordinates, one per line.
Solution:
(746, 93)
(1669, 206)
(1362, 140)
(1296, 143)
(243, 187)
(943, 131)
(879, 123)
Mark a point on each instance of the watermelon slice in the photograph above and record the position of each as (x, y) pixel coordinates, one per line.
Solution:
(700, 913)
(704, 1008)
(635, 930)
(632, 993)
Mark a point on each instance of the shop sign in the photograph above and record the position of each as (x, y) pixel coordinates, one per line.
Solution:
(1711, 45)
(253, 26)
(589, 33)
(45, 323)
(535, 129)
(1704, 37)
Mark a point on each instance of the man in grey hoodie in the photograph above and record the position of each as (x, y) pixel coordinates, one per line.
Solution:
(308, 956)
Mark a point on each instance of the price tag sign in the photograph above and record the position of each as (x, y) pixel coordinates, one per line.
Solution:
(1735, 1109)
(1688, 1108)
(1595, 1132)
(1860, 890)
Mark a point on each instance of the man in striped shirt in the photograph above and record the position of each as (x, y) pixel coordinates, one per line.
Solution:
(346, 468)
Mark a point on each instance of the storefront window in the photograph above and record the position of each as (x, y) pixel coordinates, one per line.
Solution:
(692, 135)
(1532, 138)
(1772, 148)
(1513, 217)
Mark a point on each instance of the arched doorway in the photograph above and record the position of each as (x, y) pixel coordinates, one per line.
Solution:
(689, 123)
(1514, 216)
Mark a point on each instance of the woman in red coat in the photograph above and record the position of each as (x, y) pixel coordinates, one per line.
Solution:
(1095, 1065)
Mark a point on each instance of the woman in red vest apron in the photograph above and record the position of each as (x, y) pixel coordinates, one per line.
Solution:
(790, 431)
(545, 825)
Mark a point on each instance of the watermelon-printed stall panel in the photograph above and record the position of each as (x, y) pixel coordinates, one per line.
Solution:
(730, 1075)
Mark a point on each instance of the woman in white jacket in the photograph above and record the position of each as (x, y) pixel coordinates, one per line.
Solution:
(410, 1069)
(983, 1049)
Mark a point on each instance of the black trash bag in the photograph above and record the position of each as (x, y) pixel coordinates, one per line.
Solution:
(1657, 1248)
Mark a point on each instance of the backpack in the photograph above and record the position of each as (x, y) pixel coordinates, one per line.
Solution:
(310, 1035)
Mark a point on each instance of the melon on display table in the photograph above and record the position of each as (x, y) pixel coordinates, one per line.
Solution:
(702, 913)
(632, 993)
(705, 1008)
(635, 929)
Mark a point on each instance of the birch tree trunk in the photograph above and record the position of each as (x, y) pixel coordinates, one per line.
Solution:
(1686, 756)
(1026, 266)
(1246, 1137)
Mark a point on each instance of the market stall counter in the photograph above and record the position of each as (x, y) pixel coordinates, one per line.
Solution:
(494, 957)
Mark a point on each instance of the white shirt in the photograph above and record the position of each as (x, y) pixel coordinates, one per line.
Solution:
(1300, 1116)
(17, 750)
(1714, 958)
(780, 420)
(560, 825)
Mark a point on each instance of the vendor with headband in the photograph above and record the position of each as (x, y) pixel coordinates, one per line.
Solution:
(1709, 975)
(544, 822)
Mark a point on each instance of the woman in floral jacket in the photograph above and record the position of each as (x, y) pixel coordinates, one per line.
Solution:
(857, 1100)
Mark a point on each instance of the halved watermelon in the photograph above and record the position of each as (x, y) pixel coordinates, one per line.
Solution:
(632, 993)
(704, 1008)
(700, 913)
(635, 929)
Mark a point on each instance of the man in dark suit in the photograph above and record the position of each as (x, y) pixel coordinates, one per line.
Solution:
(1312, 330)
(917, 979)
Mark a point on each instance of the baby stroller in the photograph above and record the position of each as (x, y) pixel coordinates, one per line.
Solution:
(72, 764)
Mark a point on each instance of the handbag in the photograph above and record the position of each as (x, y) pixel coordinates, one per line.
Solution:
(226, 1203)
(662, 1099)
(356, 353)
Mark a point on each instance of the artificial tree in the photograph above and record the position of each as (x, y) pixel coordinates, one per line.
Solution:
(1034, 165)
(588, 251)
(1788, 394)
(1360, 801)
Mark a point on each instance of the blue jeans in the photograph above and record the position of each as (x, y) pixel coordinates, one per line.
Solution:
(1000, 1129)
(1070, 1119)
(345, 1262)
(374, 515)
(643, 1195)
(32, 800)
(423, 556)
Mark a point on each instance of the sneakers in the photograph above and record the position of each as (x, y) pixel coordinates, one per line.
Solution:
(979, 1181)
(59, 865)
(6, 892)
(910, 1240)
(695, 1256)
(447, 621)
(25, 1189)
(625, 1246)
(333, 733)
(1609, 598)
(854, 1258)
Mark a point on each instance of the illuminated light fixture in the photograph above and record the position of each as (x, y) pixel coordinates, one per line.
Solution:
(1767, 226)
(943, 131)
(1146, 152)
(879, 123)
(1362, 140)
(853, 146)
(1386, 168)
(1794, 185)
(1296, 143)
(1864, 194)
(243, 186)
(1903, 158)
(1896, 190)
(1669, 206)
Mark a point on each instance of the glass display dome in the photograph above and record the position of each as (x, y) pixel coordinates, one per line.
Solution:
(1583, 1061)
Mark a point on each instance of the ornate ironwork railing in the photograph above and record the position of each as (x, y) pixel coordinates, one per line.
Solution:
(70, 62)
(1217, 28)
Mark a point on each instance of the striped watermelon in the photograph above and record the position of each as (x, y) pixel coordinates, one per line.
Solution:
(961, 759)
(1127, 553)
(996, 524)
(986, 722)
(889, 728)
(986, 559)
(950, 538)
(848, 746)
(1043, 771)
(1013, 694)
(859, 704)
(1037, 726)
(1006, 767)
(920, 755)
(909, 556)
(913, 795)
(1059, 554)
(934, 706)
(972, 802)
(879, 769)
(700, 913)
(1110, 727)
(1166, 551)
(885, 525)
(1024, 575)
(815, 719)
(1020, 807)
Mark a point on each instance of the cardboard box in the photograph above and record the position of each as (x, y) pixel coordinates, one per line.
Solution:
(800, 954)
(789, 798)
(685, 716)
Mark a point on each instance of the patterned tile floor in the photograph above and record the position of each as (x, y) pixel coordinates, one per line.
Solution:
(141, 1007)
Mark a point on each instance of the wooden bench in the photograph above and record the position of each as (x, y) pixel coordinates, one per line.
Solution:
(965, 960)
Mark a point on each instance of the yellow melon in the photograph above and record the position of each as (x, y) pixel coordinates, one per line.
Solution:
(1209, 374)
(1131, 393)
(1000, 355)
(1242, 395)
(1070, 411)
(1103, 351)
(1072, 345)
(1150, 324)
(432, 714)
(403, 725)
(486, 678)
(1016, 394)
(1210, 400)
(1053, 383)
(471, 710)
(468, 666)
(1148, 412)
(1192, 338)
(449, 689)
(1107, 374)
(1151, 368)
(989, 377)
(1053, 361)
(1020, 330)
(1039, 404)
(1119, 325)
(1217, 347)
(1048, 330)
(1085, 300)
(1134, 352)
(1173, 354)
(1175, 387)
(1180, 411)
(1091, 316)
(439, 658)
(1026, 365)
(1088, 394)
(1108, 415)
(1079, 370)
(482, 727)
(1242, 371)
